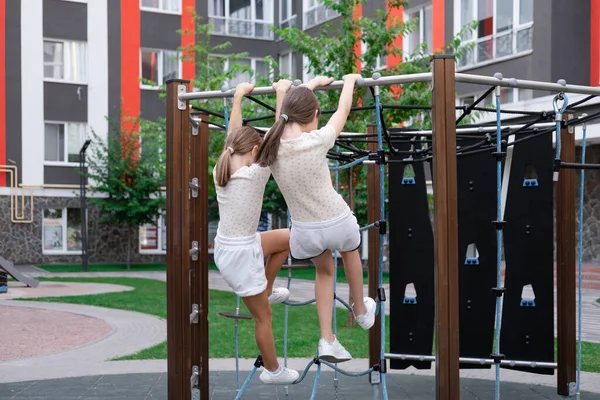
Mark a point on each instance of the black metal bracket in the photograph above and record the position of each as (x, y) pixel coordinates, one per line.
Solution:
(381, 294)
(499, 224)
(382, 225)
(499, 155)
(259, 362)
(378, 157)
(499, 291)
(497, 357)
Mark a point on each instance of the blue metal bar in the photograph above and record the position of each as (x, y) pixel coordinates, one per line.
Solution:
(335, 258)
(382, 235)
(498, 237)
(245, 385)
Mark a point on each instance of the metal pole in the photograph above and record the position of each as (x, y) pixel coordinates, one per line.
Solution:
(480, 129)
(83, 206)
(498, 80)
(364, 82)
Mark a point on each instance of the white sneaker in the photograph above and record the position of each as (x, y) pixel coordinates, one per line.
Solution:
(333, 352)
(367, 320)
(279, 295)
(285, 377)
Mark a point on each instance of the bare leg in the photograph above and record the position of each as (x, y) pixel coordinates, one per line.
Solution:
(354, 276)
(275, 246)
(261, 311)
(324, 293)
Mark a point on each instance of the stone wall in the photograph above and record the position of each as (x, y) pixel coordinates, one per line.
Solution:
(21, 243)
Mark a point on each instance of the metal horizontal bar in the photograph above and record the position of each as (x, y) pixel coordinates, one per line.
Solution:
(579, 166)
(526, 84)
(365, 82)
(468, 360)
(480, 129)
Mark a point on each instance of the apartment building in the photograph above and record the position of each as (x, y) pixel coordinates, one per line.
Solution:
(70, 67)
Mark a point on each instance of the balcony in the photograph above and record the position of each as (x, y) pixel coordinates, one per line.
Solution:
(318, 15)
(498, 47)
(227, 26)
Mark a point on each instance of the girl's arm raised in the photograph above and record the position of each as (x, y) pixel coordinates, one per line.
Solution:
(281, 88)
(235, 120)
(338, 119)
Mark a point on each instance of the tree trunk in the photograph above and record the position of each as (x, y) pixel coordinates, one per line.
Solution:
(129, 248)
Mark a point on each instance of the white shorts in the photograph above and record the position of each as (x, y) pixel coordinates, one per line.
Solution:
(241, 263)
(311, 239)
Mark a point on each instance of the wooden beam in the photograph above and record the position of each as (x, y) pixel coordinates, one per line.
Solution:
(565, 262)
(198, 279)
(177, 196)
(446, 228)
(373, 201)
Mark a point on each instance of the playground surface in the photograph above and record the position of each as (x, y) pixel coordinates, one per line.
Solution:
(58, 365)
(223, 386)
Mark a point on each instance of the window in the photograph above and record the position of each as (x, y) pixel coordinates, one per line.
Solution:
(287, 18)
(505, 28)
(158, 66)
(287, 65)
(316, 13)
(423, 30)
(61, 230)
(380, 62)
(173, 6)
(257, 65)
(247, 18)
(62, 141)
(65, 61)
(153, 237)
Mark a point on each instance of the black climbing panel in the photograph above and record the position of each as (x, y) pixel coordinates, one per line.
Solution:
(528, 318)
(477, 254)
(411, 264)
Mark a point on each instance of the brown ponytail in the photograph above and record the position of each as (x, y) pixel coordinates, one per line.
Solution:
(299, 105)
(239, 141)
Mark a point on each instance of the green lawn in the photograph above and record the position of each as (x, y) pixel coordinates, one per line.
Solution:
(149, 297)
(307, 273)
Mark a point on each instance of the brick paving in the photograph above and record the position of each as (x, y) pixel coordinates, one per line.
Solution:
(223, 386)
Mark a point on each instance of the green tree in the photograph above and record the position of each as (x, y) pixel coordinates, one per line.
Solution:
(128, 183)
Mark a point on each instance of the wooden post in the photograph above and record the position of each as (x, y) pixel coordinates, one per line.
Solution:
(446, 228)
(565, 265)
(198, 279)
(351, 321)
(373, 201)
(178, 260)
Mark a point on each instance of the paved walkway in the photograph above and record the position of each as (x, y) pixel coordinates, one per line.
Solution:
(303, 290)
(223, 386)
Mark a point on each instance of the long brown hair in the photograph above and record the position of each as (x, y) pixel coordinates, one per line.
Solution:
(299, 105)
(239, 141)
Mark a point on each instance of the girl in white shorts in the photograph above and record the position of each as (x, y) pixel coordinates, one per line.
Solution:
(239, 249)
(296, 152)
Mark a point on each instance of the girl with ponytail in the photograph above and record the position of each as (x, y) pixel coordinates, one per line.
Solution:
(240, 250)
(296, 151)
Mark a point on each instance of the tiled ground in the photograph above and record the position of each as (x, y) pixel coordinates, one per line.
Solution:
(223, 386)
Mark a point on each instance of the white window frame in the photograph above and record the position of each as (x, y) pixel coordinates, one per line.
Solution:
(161, 54)
(286, 21)
(65, 123)
(64, 233)
(253, 61)
(517, 27)
(226, 20)
(65, 43)
(161, 224)
(290, 72)
(316, 7)
(159, 9)
(421, 27)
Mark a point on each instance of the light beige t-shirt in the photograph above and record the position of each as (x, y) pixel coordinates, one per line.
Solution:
(303, 176)
(240, 201)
